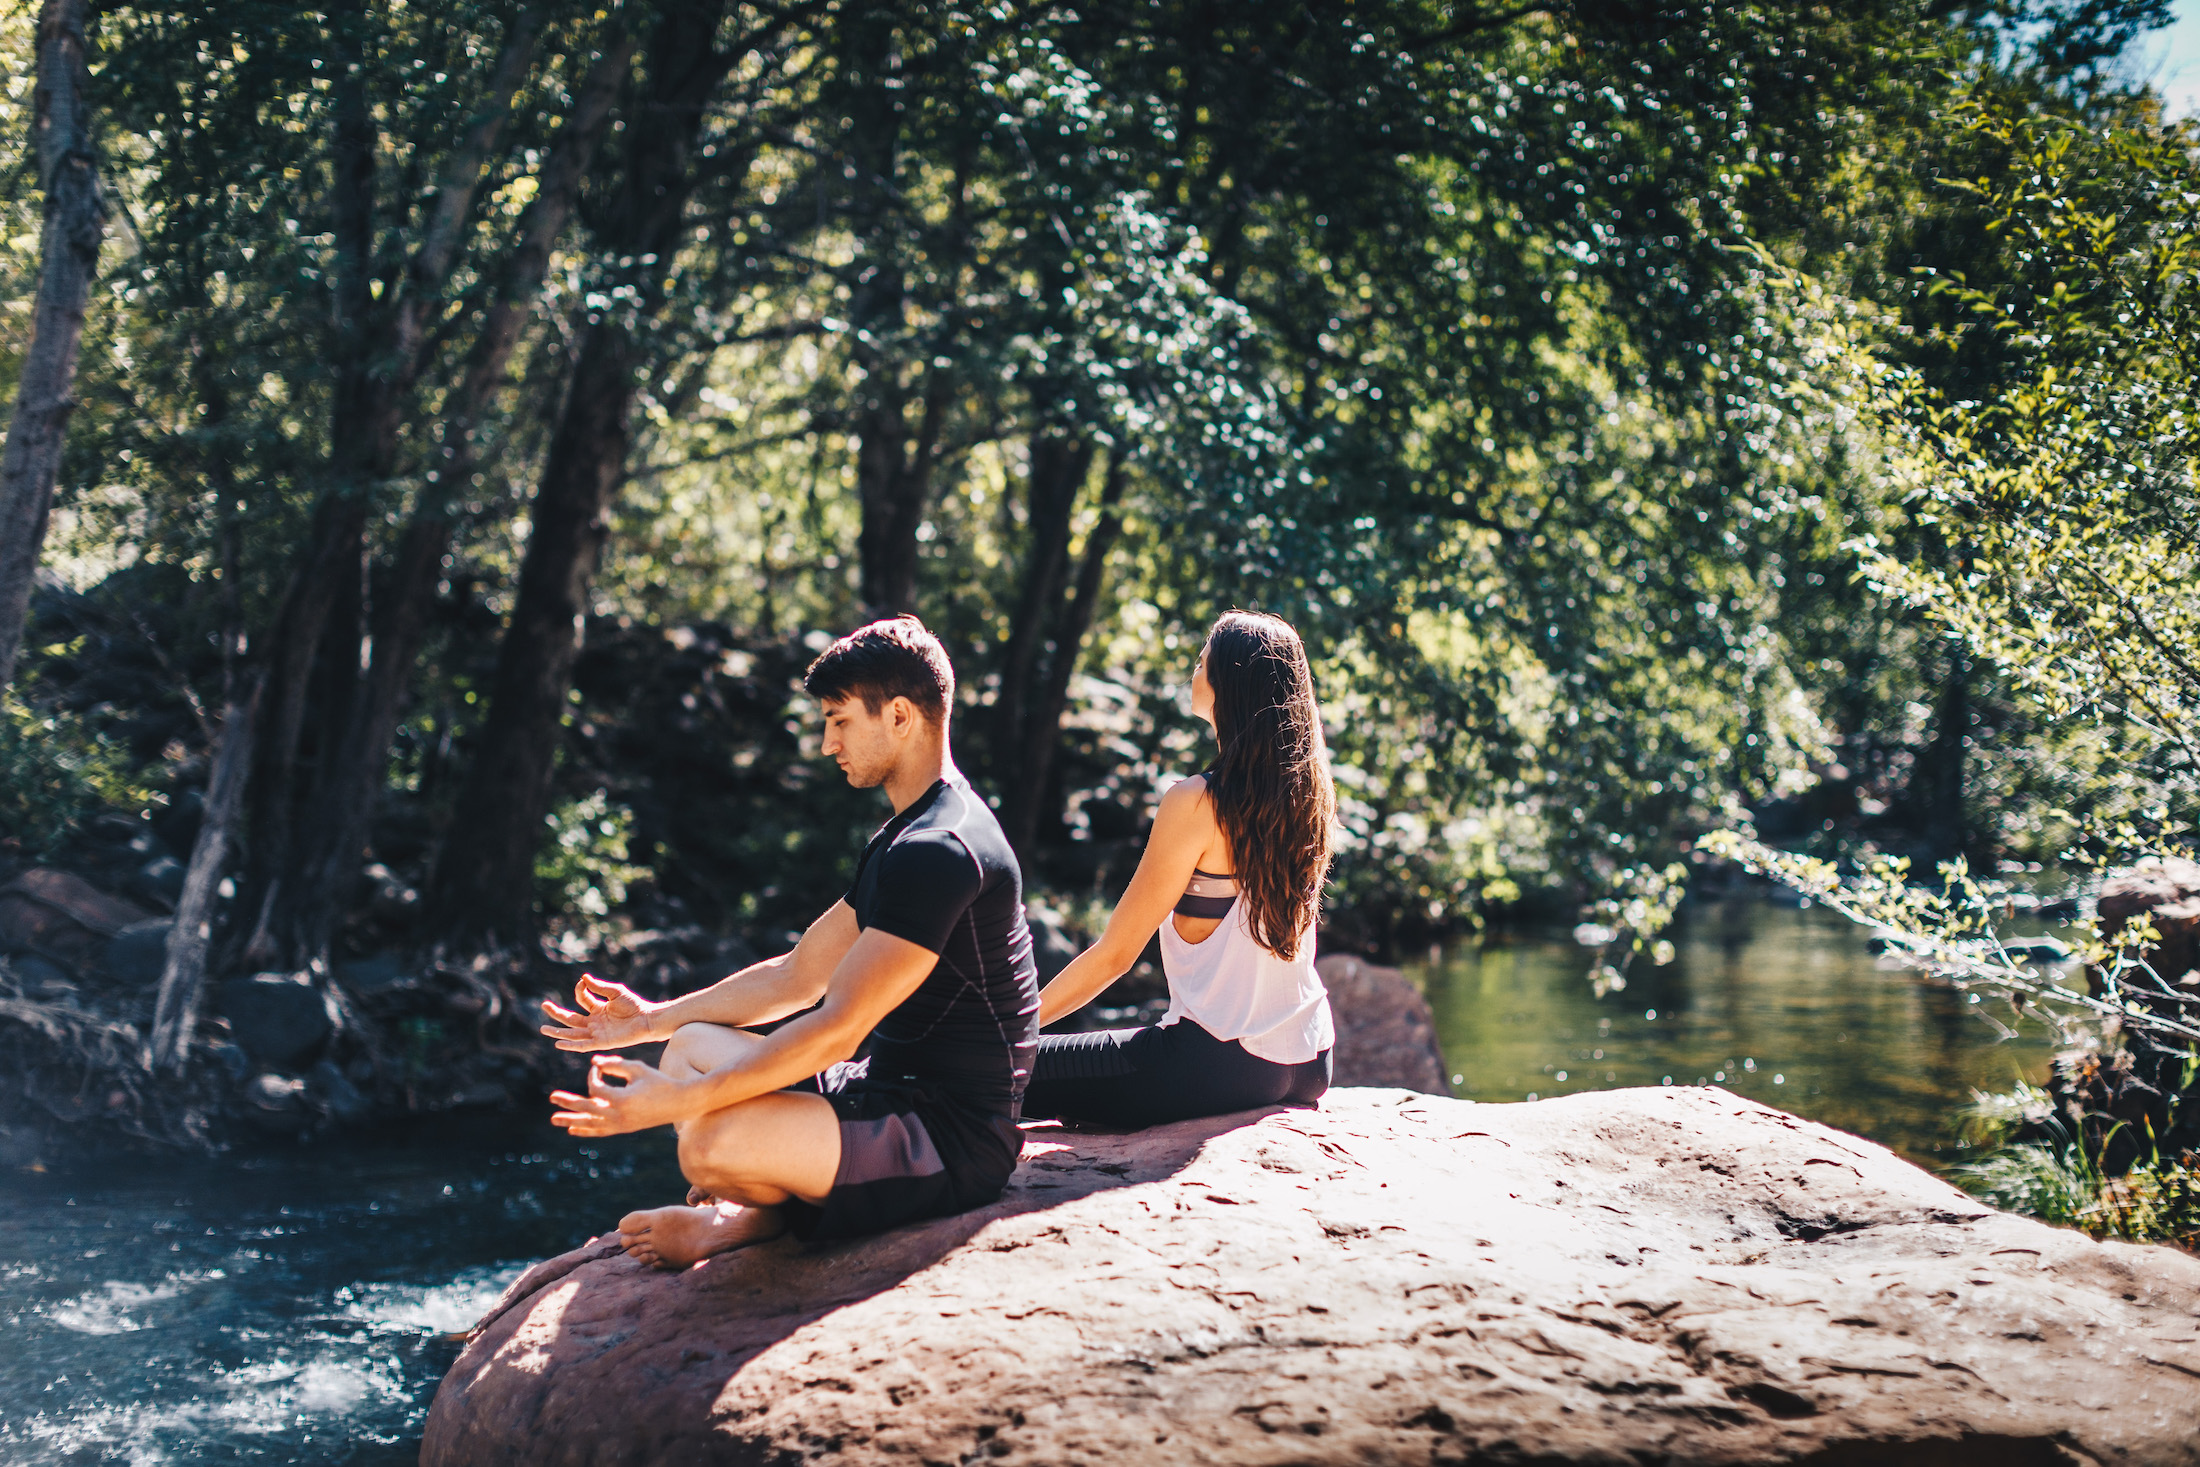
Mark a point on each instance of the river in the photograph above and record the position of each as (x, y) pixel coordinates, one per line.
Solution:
(297, 1306)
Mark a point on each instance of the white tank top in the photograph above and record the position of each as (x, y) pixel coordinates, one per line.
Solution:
(1234, 988)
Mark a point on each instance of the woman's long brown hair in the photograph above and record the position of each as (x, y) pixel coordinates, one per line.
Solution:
(1270, 783)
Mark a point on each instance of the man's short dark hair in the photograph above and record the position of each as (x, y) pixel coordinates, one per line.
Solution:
(894, 658)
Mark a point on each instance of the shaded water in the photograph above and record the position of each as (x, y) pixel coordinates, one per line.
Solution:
(294, 1306)
(1782, 1005)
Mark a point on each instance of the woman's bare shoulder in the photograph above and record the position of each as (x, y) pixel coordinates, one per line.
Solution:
(1187, 800)
(1188, 791)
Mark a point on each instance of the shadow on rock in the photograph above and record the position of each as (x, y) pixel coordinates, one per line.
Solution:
(593, 1322)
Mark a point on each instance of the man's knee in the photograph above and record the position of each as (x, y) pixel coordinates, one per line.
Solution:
(693, 1047)
(710, 1154)
(763, 1150)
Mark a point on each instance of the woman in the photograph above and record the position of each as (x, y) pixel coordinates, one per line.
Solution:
(1232, 877)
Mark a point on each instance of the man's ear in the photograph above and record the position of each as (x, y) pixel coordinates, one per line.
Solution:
(901, 716)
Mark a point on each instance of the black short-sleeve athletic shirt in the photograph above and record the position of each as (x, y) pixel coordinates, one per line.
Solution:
(941, 875)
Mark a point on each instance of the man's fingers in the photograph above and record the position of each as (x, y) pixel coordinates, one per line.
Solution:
(562, 1015)
(567, 1100)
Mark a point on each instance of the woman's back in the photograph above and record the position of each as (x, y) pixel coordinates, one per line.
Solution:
(1234, 988)
(1231, 877)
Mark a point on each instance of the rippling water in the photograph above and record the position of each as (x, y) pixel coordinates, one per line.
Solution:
(294, 1307)
(1783, 1005)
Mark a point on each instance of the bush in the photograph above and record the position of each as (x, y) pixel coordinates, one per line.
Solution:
(2060, 1181)
(583, 871)
(56, 771)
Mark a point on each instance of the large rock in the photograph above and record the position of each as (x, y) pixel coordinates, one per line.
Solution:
(1385, 1032)
(137, 953)
(61, 916)
(280, 1019)
(1636, 1276)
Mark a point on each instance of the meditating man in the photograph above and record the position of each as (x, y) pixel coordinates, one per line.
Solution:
(927, 956)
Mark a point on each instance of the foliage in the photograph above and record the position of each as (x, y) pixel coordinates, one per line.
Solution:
(57, 769)
(584, 867)
(2060, 1179)
(2070, 495)
(1431, 334)
(2065, 506)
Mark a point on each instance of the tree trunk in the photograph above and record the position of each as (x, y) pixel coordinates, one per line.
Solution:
(894, 488)
(405, 592)
(1026, 795)
(1057, 470)
(314, 644)
(68, 171)
(336, 545)
(1944, 765)
(183, 972)
(484, 882)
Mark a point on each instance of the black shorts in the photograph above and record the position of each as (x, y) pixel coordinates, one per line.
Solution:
(1147, 1077)
(907, 1152)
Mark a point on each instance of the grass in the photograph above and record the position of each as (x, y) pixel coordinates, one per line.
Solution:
(2058, 1181)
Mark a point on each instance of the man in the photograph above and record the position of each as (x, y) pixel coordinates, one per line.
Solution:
(927, 956)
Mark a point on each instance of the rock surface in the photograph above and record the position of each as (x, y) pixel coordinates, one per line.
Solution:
(1644, 1276)
(279, 1019)
(1385, 1032)
(61, 917)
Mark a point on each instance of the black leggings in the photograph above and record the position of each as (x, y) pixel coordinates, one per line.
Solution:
(1143, 1077)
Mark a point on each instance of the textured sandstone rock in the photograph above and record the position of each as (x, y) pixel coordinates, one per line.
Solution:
(1385, 1032)
(1645, 1276)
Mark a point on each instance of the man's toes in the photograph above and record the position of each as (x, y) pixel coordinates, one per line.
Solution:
(633, 1223)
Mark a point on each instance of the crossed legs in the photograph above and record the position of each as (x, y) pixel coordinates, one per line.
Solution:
(743, 1162)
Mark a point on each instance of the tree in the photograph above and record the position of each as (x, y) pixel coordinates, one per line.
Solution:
(68, 172)
(485, 876)
(2067, 497)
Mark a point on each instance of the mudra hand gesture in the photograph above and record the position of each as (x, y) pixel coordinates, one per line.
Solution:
(611, 1016)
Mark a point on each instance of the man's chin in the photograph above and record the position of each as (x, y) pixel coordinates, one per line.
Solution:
(863, 779)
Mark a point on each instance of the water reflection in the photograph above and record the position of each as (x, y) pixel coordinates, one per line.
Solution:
(1784, 1006)
(292, 1307)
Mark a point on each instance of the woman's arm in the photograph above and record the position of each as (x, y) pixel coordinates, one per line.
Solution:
(1182, 828)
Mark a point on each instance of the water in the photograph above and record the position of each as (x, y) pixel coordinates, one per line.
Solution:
(1784, 1006)
(295, 1306)
(289, 1307)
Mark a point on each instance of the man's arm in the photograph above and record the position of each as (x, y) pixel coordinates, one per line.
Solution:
(611, 1016)
(878, 972)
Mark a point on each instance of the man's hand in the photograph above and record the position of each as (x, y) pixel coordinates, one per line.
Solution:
(648, 1098)
(611, 1016)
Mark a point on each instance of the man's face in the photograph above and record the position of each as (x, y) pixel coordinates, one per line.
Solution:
(861, 742)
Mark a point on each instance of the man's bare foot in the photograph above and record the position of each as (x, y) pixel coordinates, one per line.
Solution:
(676, 1237)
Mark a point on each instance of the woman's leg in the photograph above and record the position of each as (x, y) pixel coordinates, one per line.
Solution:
(1144, 1077)
(1086, 1077)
